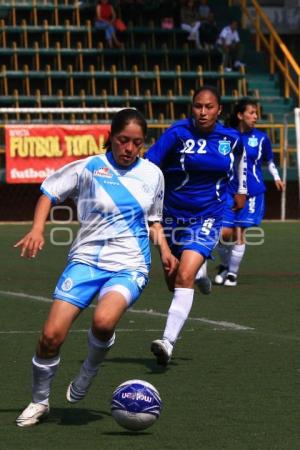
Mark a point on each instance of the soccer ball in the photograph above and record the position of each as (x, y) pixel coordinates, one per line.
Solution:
(136, 405)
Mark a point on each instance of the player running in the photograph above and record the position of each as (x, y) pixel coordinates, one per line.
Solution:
(197, 156)
(117, 194)
(235, 223)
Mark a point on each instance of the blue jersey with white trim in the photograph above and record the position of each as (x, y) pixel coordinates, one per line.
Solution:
(197, 167)
(259, 151)
(114, 205)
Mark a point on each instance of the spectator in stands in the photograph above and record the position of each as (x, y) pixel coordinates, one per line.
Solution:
(229, 44)
(258, 147)
(105, 20)
(197, 156)
(209, 32)
(117, 195)
(203, 10)
(190, 22)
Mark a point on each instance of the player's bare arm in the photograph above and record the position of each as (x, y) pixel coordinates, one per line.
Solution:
(280, 185)
(157, 236)
(239, 201)
(34, 241)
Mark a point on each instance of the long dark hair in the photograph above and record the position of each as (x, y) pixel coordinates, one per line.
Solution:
(121, 120)
(240, 107)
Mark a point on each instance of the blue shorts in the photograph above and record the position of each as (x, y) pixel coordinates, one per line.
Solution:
(80, 283)
(200, 234)
(250, 216)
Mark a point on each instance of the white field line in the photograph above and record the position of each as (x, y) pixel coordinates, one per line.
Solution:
(122, 330)
(148, 312)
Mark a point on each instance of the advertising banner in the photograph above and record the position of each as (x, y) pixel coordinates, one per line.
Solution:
(35, 151)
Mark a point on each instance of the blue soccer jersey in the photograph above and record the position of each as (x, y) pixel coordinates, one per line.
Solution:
(259, 151)
(197, 167)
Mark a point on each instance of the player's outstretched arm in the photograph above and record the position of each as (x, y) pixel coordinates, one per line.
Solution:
(280, 185)
(34, 241)
(157, 236)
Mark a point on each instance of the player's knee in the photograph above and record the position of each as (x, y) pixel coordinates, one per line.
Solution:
(50, 342)
(227, 235)
(184, 278)
(103, 326)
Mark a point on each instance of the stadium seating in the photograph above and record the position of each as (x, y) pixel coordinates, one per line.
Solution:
(115, 81)
(124, 58)
(52, 56)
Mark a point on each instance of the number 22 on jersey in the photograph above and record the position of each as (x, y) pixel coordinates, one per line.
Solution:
(190, 146)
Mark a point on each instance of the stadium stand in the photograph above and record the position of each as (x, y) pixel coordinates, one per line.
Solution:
(51, 56)
(50, 48)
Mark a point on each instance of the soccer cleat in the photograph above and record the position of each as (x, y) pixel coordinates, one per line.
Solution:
(162, 349)
(204, 285)
(79, 387)
(221, 275)
(32, 415)
(231, 280)
(74, 394)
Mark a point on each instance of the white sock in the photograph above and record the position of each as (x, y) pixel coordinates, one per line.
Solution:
(224, 251)
(178, 313)
(43, 371)
(97, 351)
(202, 272)
(236, 257)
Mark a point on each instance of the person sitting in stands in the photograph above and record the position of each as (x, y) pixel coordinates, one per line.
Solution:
(204, 10)
(190, 21)
(105, 18)
(230, 46)
(209, 32)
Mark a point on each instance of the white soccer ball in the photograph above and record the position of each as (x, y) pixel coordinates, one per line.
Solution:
(136, 405)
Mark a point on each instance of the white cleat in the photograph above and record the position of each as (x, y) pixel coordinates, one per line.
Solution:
(32, 415)
(231, 280)
(162, 349)
(221, 275)
(204, 285)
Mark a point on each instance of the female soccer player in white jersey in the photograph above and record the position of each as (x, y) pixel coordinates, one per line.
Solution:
(235, 223)
(197, 156)
(117, 195)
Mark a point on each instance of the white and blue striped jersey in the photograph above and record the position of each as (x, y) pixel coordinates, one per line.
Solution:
(197, 167)
(259, 151)
(114, 205)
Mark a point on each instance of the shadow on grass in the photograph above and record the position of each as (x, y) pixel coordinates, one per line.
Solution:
(150, 364)
(126, 433)
(75, 416)
(65, 416)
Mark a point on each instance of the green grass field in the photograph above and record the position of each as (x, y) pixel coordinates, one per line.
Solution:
(234, 382)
